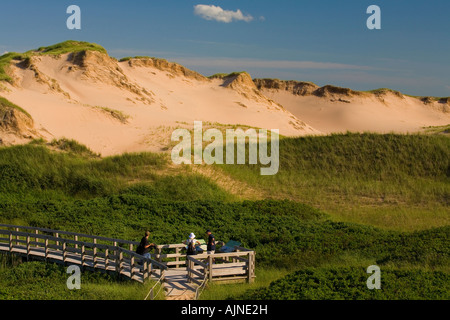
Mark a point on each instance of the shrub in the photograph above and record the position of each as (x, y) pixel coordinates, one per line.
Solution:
(350, 284)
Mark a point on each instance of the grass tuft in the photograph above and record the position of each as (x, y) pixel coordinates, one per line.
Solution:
(69, 46)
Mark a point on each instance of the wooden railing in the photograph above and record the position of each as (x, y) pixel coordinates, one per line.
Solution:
(200, 278)
(87, 251)
(242, 261)
(169, 258)
(239, 265)
(202, 286)
(159, 284)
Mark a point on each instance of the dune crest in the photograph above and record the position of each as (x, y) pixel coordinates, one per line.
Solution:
(161, 64)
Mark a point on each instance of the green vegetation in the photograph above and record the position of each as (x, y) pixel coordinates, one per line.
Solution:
(398, 182)
(437, 130)
(264, 277)
(34, 168)
(47, 281)
(71, 146)
(317, 247)
(145, 58)
(225, 75)
(350, 284)
(285, 234)
(136, 57)
(69, 46)
(119, 115)
(5, 61)
(385, 90)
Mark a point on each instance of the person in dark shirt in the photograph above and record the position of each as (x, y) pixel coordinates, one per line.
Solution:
(145, 246)
(211, 245)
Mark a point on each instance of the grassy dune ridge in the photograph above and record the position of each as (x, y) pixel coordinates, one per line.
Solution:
(399, 182)
(69, 46)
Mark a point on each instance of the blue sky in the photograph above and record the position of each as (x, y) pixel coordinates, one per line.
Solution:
(324, 41)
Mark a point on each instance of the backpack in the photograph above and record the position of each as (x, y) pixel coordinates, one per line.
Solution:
(190, 248)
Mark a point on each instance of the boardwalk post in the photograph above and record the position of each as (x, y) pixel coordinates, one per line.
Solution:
(17, 236)
(210, 267)
(10, 241)
(83, 254)
(76, 239)
(116, 251)
(177, 259)
(145, 269)
(120, 261)
(28, 248)
(250, 269)
(64, 246)
(95, 252)
(132, 267)
(106, 258)
(189, 268)
(158, 252)
(46, 248)
(151, 268)
(254, 265)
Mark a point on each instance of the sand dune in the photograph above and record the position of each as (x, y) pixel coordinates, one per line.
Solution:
(134, 105)
(331, 109)
(77, 95)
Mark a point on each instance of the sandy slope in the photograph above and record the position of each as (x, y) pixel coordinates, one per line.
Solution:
(364, 112)
(65, 96)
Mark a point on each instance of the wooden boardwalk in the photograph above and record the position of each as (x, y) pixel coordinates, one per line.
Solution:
(181, 277)
(88, 252)
(177, 285)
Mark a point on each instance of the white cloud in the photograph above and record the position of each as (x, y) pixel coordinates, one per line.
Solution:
(211, 12)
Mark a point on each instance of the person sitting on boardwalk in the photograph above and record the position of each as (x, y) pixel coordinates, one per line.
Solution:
(191, 242)
(145, 246)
